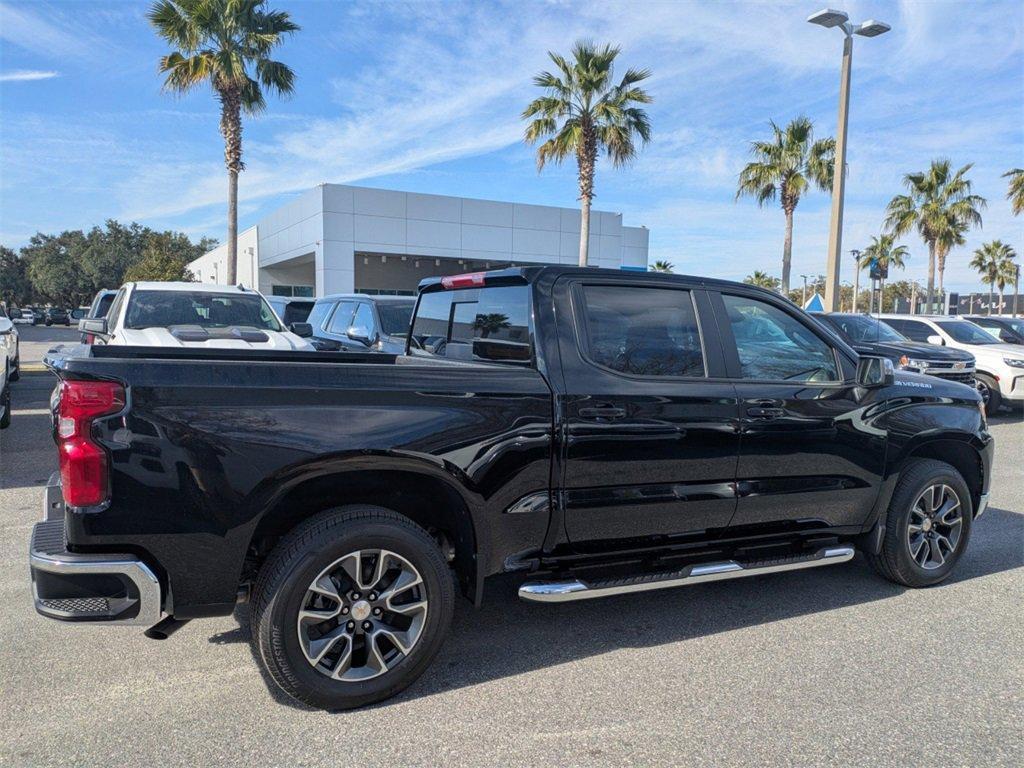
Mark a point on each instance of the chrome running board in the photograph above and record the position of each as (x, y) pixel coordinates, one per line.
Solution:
(574, 589)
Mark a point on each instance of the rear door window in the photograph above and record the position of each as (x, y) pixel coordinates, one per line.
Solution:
(491, 324)
(341, 320)
(642, 331)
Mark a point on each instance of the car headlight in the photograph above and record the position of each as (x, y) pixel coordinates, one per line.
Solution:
(1014, 362)
(907, 362)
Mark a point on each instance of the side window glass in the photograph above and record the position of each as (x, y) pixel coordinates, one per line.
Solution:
(319, 315)
(363, 320)
(916, 331)
(775, 346)
(643, 331)
(115, 310)
(341, 320)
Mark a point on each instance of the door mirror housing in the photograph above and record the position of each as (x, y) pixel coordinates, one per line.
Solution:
(875, 372)
(936, 339)
(302, 330)
(94, 325)
(362, 334)
(6, 326)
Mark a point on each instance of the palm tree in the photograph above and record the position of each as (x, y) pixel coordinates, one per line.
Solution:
(884, 250)
(762, 280)
(663, 266)
(226, 43)
(584, 112)
(1015, 194)
(786, 166)
(994, 262)
(940, 205)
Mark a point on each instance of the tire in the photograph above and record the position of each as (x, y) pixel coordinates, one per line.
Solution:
(16, 369)
(302, 559)
(5, 403)
(989, 391)
(896, 561)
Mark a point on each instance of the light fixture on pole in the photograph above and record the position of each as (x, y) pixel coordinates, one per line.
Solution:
(831, 18)
(856, 277)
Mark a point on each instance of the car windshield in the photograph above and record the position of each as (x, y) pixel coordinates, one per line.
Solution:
(966, 333)
(162, 309)
(1016, 325)
(861, 328)
(395, 317)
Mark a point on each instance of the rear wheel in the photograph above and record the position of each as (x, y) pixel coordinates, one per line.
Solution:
(927, 526)
(989, 391)
(16, 369)
(351, 607)
(5, 407)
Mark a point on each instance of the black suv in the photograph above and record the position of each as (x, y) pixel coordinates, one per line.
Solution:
(56, 315)
(1010, 330)
(870, 336)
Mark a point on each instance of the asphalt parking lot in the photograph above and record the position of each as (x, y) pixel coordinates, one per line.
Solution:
(831, 666)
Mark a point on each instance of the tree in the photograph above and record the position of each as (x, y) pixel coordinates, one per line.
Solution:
(663, 266)
(762, 280)
(889, 256)
(941, 207)
(160, 265)
(583, 113)
(15, 287)
(1015, 193)
(226, 43)
(786, 167)
(490, 322)
(54, 267)
(994, 261)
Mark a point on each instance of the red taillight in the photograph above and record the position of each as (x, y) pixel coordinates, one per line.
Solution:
(89, 338)
(84, 470)
(468, 280)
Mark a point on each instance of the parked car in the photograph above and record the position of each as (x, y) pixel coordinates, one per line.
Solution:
(55, 316)
(23, 316)
(191, 315)
(603, 433)
(1009, 330)
(100, 306)
(38, 315)
(355, 322)
(999, 368)
(10, 345)
(291, 309)
(8, 372)
(869, 336)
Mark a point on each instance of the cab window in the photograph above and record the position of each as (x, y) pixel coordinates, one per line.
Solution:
(775, 346)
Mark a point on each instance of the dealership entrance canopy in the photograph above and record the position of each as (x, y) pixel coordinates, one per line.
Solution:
(341, 239)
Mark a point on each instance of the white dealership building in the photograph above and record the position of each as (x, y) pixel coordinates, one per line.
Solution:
(341, 239)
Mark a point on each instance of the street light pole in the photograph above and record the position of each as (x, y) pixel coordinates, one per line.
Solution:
(856, 277)
(871, 28)
(803, 302)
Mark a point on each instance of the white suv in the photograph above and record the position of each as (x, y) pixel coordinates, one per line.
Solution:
(1000, 367)
(192, 315)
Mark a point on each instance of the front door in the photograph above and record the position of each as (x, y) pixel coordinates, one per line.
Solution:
(650, 425)
(807, 459)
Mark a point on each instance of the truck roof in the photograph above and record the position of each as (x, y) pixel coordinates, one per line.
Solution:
(531, 274)
(191, 287)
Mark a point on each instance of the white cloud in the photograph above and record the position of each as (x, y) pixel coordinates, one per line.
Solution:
(27, 75)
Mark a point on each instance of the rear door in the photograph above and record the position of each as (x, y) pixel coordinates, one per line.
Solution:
(650, 428)
(806, 459)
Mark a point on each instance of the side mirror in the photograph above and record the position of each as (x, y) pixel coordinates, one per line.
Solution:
(303, 330)
(361, 334)
(93, 325)
(936, 339)
(875, 372)
(6, 326)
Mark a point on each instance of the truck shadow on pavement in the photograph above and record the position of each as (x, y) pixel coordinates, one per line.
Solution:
(508, 637)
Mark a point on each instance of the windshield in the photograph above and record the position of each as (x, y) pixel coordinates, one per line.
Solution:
(395, 317)
(966, 333)
(162, 309)
(861, 328)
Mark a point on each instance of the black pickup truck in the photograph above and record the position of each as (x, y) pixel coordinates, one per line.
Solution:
(601, 432)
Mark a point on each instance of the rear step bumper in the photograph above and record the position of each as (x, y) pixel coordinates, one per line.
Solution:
(575, 589)
(69, 586)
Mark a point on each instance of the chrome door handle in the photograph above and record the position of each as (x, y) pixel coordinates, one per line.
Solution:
(603, 412)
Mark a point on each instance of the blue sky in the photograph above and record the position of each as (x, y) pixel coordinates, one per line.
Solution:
(426, 97)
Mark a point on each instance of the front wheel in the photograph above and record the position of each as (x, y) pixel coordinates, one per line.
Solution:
(16, 369)
(927, 526)
(351, 607)
(990, 395)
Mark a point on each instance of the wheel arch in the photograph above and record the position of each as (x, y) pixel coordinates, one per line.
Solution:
(424, 493)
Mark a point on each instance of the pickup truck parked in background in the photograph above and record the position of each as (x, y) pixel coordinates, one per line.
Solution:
(999, 367)
(870, 336)
(191, 315)
(600, 432)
